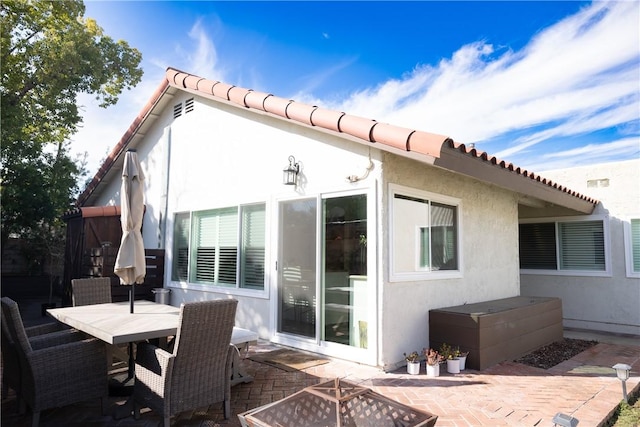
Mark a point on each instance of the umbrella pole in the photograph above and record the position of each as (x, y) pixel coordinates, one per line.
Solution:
(131, 358)
(132, 296)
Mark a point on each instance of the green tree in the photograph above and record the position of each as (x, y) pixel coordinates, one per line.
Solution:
(50, 53)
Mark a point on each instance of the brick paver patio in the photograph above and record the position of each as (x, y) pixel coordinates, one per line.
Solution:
(507, 394)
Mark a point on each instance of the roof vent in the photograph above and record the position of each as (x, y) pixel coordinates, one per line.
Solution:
(598, 183)
(177, 110)
(188, 105)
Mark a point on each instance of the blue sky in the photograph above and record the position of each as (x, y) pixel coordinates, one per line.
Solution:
(544, 85)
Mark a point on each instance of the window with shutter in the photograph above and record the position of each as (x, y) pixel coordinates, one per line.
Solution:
(181, 247)
(635, 244)
(253, 247)
(632, 246)
(563, 246)
(210, 245)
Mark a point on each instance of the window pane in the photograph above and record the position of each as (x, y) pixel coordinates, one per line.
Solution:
(635, 244)
(228, 241)
(180, 247)
(444, 240)
(425, 244)
(425, 235)
(344, 287)
(253, 243)
(581, 245)
(410, 217)
(538, 246)
(215, 244)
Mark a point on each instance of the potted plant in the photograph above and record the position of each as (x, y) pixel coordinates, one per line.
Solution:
(413, 362)
(434, 359)
(450, 354)
(463, 359)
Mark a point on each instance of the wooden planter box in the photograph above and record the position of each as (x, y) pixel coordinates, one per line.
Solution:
(498, 330)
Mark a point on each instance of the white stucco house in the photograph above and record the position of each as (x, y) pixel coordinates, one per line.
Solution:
(380, 225)
(603, 294)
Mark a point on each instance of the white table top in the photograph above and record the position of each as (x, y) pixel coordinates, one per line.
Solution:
(114, 324)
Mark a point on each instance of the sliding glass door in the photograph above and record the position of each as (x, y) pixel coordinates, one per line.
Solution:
(297, 267)
(325, 296)
(344, 271)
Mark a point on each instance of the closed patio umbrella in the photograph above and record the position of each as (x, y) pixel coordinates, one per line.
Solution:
(130, 263)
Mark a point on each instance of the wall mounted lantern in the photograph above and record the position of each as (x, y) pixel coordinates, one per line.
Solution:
(290, 173)
(622, 371)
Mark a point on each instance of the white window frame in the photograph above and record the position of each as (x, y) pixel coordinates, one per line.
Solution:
(587, 273)
(628, 246)
(418, 273)
(236, 289)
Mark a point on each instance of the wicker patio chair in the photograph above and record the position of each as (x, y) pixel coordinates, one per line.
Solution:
(95, 290)
(10, 364)
(56, 369)
(198, 371)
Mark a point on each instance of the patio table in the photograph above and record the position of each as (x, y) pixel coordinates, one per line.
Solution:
(113, 323)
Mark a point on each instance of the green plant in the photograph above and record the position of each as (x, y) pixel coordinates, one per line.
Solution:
(432, 356)
(626, 414)
(412, 357)
(449, 352)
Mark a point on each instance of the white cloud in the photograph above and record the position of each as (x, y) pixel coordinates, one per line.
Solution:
(102, 129)
(622, 149)
(578, 76)
(575, 77)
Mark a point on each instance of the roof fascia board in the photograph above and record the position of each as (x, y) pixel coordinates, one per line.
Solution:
(125, 141)
(454, 160)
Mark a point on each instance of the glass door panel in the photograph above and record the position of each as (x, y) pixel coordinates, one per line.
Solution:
(297, 267)
(344, 290)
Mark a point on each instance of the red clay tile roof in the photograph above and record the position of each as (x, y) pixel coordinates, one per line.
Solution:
(92, 211)
(391, 138)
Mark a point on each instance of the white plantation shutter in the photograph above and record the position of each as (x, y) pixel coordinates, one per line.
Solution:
(215, 245)
(206, 236)
(228, 244)
(209, 247)
(635, 244)
(181, 247)
(581, 245)
(253, 247)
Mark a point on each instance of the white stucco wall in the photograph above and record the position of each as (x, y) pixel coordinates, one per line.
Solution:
(489, 242)
(610, 303)
(220, 155)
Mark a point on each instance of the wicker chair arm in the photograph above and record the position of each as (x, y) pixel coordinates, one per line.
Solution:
(46, 328)
(56, 338)
(153, 358)
(70, 353)
(68, 366)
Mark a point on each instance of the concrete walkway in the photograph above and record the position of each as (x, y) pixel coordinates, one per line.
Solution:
(508, 394)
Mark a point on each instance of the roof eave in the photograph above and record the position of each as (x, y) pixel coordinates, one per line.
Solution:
(127, 141)
(534, 190)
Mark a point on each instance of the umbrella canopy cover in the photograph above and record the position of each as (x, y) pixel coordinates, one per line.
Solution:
(130, 263)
